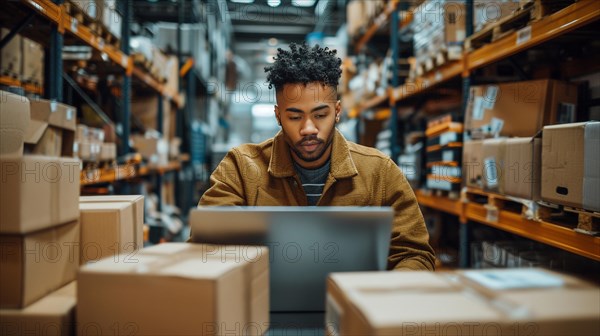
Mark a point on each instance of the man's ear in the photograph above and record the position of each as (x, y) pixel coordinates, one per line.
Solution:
(277, 116)
(338, 111)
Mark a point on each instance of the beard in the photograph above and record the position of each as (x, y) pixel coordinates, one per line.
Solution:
(322, 146)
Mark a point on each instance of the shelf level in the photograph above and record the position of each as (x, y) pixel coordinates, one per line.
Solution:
(107, 175)
(445, 73)
(381, 20)
(8, 81)
(568, 19)
(551, 234)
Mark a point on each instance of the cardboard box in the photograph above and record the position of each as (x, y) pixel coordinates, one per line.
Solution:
(51, 130)
(488, 12)
(523, 168)
(473, 163)
(107, 229)
(53, 314)
(194, 291)
(38, 192)
(33, 62)
(137, 205)
(571, 165)
(155, 150)
(519, 109)
(14, 120)
(35, 264)
(461, 303)
(494, 165)
(108, 151)
(11, 56)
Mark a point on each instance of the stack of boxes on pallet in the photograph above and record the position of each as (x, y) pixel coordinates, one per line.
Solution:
(443, 154)
(39, 221)
(22, 59)
(523, 143)
(439, 32)
(498, 302)
(101, 16)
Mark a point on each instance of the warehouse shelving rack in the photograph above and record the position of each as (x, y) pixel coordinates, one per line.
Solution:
(553, 26)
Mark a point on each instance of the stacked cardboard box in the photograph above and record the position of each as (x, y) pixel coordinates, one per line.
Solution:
(90, 145)
(178, 289)
(501, 302)
(22, 59)
(439, 27)
(39, 226)
(443, 158)
(503, 153)
(489, 12)
(110, 225)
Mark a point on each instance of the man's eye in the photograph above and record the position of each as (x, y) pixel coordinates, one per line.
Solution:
(320, 116)
(294, 118)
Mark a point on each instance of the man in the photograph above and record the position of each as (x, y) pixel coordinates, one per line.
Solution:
(310, 163)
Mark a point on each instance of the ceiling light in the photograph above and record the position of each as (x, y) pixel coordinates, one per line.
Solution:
(243, 1)
(303, 3)
(273, 3)
(273, 41)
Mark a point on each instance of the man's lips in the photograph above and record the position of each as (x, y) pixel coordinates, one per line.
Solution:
(310, 145)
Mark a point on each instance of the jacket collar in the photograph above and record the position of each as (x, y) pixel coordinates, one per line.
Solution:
(342, 166)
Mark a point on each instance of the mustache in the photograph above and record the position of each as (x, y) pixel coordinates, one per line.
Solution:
(310, 138)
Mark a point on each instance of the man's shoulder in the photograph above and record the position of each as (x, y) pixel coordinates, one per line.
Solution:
(366, 153)
(253, 151)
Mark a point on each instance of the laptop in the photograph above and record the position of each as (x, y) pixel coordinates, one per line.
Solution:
(305, 245)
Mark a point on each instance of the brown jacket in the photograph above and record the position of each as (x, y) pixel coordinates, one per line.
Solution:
(264, 175)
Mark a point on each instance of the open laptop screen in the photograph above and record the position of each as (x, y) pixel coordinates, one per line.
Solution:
(305, 244)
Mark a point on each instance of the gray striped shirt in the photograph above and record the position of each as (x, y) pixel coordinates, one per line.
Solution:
(313, 181)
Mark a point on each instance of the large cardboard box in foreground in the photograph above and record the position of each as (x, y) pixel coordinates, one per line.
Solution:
(491, 302)
(35, 264)
(38, 192)
(14, 119)
(523, 162)
(195, 289)
(519, 109)
(53, 314)
(571, 165)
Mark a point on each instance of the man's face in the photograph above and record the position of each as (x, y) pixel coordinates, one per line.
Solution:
(307, 115)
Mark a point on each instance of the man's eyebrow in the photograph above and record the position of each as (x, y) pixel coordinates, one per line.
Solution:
(297, 110)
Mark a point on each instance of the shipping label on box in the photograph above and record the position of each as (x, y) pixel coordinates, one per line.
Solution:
(179, 277)
(14, 121)
(38, 192)
(494, 164)
(35, 264)
(571, 165)
(54, 314)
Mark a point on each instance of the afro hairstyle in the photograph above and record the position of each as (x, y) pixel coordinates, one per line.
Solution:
(303, 65)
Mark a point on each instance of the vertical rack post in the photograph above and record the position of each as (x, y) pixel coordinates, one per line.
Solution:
(465, 227)
(394, 43)
(54, 66)
(125, 115)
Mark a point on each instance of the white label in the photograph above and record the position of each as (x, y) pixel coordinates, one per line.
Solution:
(496, 125)
(53, 106)
(124, 61)
(524, 35)
(460, 35)
(490, 172)
(100, 44)
(447, 137)
(448, 156)
(438, 76)
(478, 108)
(70, 114)
(490, 97)
(491, 214)
(74, 25)
(514, 278)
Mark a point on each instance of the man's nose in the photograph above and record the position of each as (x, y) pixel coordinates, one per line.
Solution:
(308, 128)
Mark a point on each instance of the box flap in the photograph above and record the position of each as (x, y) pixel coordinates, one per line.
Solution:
(34, 132)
